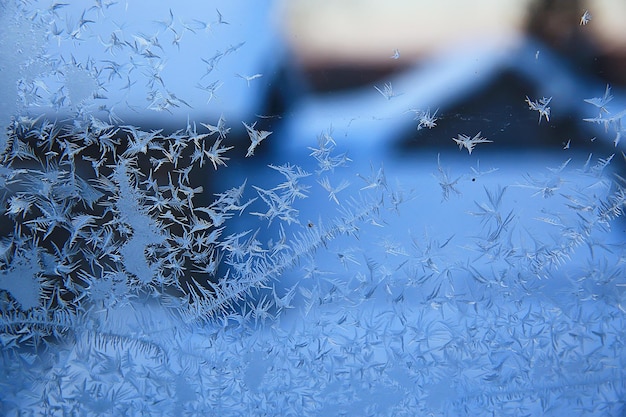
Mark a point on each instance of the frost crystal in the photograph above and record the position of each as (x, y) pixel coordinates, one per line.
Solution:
(540, 106)
(468, 143)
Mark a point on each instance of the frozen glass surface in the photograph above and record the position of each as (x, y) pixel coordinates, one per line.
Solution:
(210, 208)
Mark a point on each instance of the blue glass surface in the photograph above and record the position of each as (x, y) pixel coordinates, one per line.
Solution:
(190, 228)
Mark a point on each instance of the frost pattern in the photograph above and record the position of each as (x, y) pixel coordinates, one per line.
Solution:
(124, 291)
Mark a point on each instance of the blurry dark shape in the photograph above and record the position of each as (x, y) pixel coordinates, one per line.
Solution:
(612, 66)
(556, 23)
(500, 112)
(342, 77)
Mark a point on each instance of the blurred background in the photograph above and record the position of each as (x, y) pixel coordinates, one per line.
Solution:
(300, 66)
(475, 65)
(393, 83)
